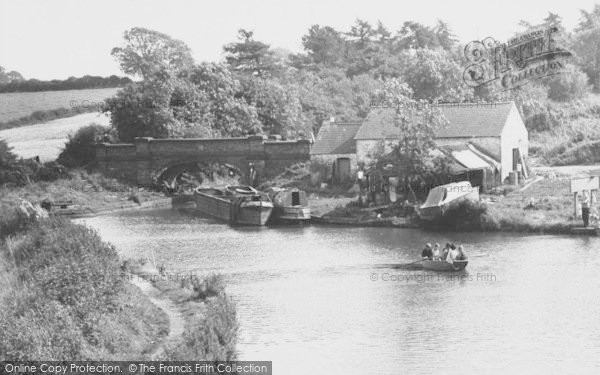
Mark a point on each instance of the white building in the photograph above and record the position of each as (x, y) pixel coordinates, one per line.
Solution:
(491, 130)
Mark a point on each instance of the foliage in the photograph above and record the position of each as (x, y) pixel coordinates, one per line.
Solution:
(278, 105)
(79, 150)
(433, 75)
(148, 53)
(569, 85)
(7, 157)
(9, 77)
(250, 56)
(466, 215)
(142, 110)
(417, 124)
(71, 83)
(587, 44)
(68, 278)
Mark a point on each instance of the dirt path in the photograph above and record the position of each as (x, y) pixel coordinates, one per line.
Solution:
(176, 321)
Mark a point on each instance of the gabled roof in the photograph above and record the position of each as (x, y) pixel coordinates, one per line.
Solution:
(465, 120)
(336, 138)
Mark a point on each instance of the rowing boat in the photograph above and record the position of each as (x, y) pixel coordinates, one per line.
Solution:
(443, 266)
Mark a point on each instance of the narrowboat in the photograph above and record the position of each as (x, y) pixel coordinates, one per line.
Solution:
(238, 205)
(441, 198)
(290, 206)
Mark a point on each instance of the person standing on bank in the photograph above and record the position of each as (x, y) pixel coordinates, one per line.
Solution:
(585, 209)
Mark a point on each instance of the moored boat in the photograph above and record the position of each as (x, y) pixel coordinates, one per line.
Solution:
(241, 205)
(441, 198)
(289, 206)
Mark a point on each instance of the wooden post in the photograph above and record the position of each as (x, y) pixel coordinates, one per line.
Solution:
(575, 205)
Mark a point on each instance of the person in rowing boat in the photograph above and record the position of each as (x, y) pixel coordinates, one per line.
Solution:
(446, 250)
(457, 254)
(427, 253)
(436, 252)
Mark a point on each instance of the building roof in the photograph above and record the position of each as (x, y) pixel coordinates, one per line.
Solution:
(465, 120)
(336, 138)
(466, 157)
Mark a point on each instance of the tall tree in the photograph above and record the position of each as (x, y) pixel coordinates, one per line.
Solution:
(414, 35)
(250, 56)
(148, 53)
(324, 45)
(433, 75)
(587, 44)
(417, 124)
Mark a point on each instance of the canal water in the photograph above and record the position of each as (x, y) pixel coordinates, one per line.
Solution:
(329, 300)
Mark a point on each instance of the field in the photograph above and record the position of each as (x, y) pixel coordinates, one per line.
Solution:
(17, 105)
(47, 140)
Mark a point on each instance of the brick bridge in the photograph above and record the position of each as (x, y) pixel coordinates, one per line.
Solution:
(146, 160)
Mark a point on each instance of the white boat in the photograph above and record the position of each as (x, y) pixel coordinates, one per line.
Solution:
(442, 197)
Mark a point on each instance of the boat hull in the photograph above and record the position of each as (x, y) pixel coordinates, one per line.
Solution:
(234, 210)
(290, 215)
(443, 266)
(254, 214)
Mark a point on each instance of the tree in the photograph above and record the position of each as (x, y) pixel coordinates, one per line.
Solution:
(570, 85)
(417, 124)
(7, 157)
(142, 110)
(587, 44)
(433, 75)
(9, 77)
(277, 105)
(250, 56)
(228, 114)
(148, 53)
(446, 38)
(414, 35)
(324, 45)
(79, 150)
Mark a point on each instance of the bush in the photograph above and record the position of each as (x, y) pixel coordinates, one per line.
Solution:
(69, 280)
(467, 215)
(79, 150)
(567, 86)
(6, 155)
(210, 336)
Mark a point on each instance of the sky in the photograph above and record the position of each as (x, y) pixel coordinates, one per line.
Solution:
(56, 39)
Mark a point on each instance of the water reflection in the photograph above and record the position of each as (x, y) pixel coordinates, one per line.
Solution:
(308, 301)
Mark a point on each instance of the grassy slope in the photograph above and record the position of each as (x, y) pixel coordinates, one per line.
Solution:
(65, 294)
(553, 210)
(93, 192)
(576, 140)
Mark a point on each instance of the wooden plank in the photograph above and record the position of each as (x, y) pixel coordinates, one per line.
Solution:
(587, 183)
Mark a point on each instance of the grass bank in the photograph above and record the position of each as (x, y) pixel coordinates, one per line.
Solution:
(545, 207)
(66, 295)
(89, 193)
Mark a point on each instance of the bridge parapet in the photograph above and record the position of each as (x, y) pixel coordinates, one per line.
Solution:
(143, 160)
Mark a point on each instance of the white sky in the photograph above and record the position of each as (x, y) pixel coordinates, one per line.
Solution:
(61, 38)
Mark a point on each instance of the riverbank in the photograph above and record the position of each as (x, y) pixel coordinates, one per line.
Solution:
(84, 194)
(54, 310)
(66, 294)
(545, 206)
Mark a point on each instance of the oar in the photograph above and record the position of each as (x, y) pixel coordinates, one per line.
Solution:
(404, 265)
(478, 255)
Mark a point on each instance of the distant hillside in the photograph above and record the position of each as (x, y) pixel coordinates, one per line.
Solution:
(72, 83)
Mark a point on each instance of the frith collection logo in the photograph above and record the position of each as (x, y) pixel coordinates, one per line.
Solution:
(527, 57)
